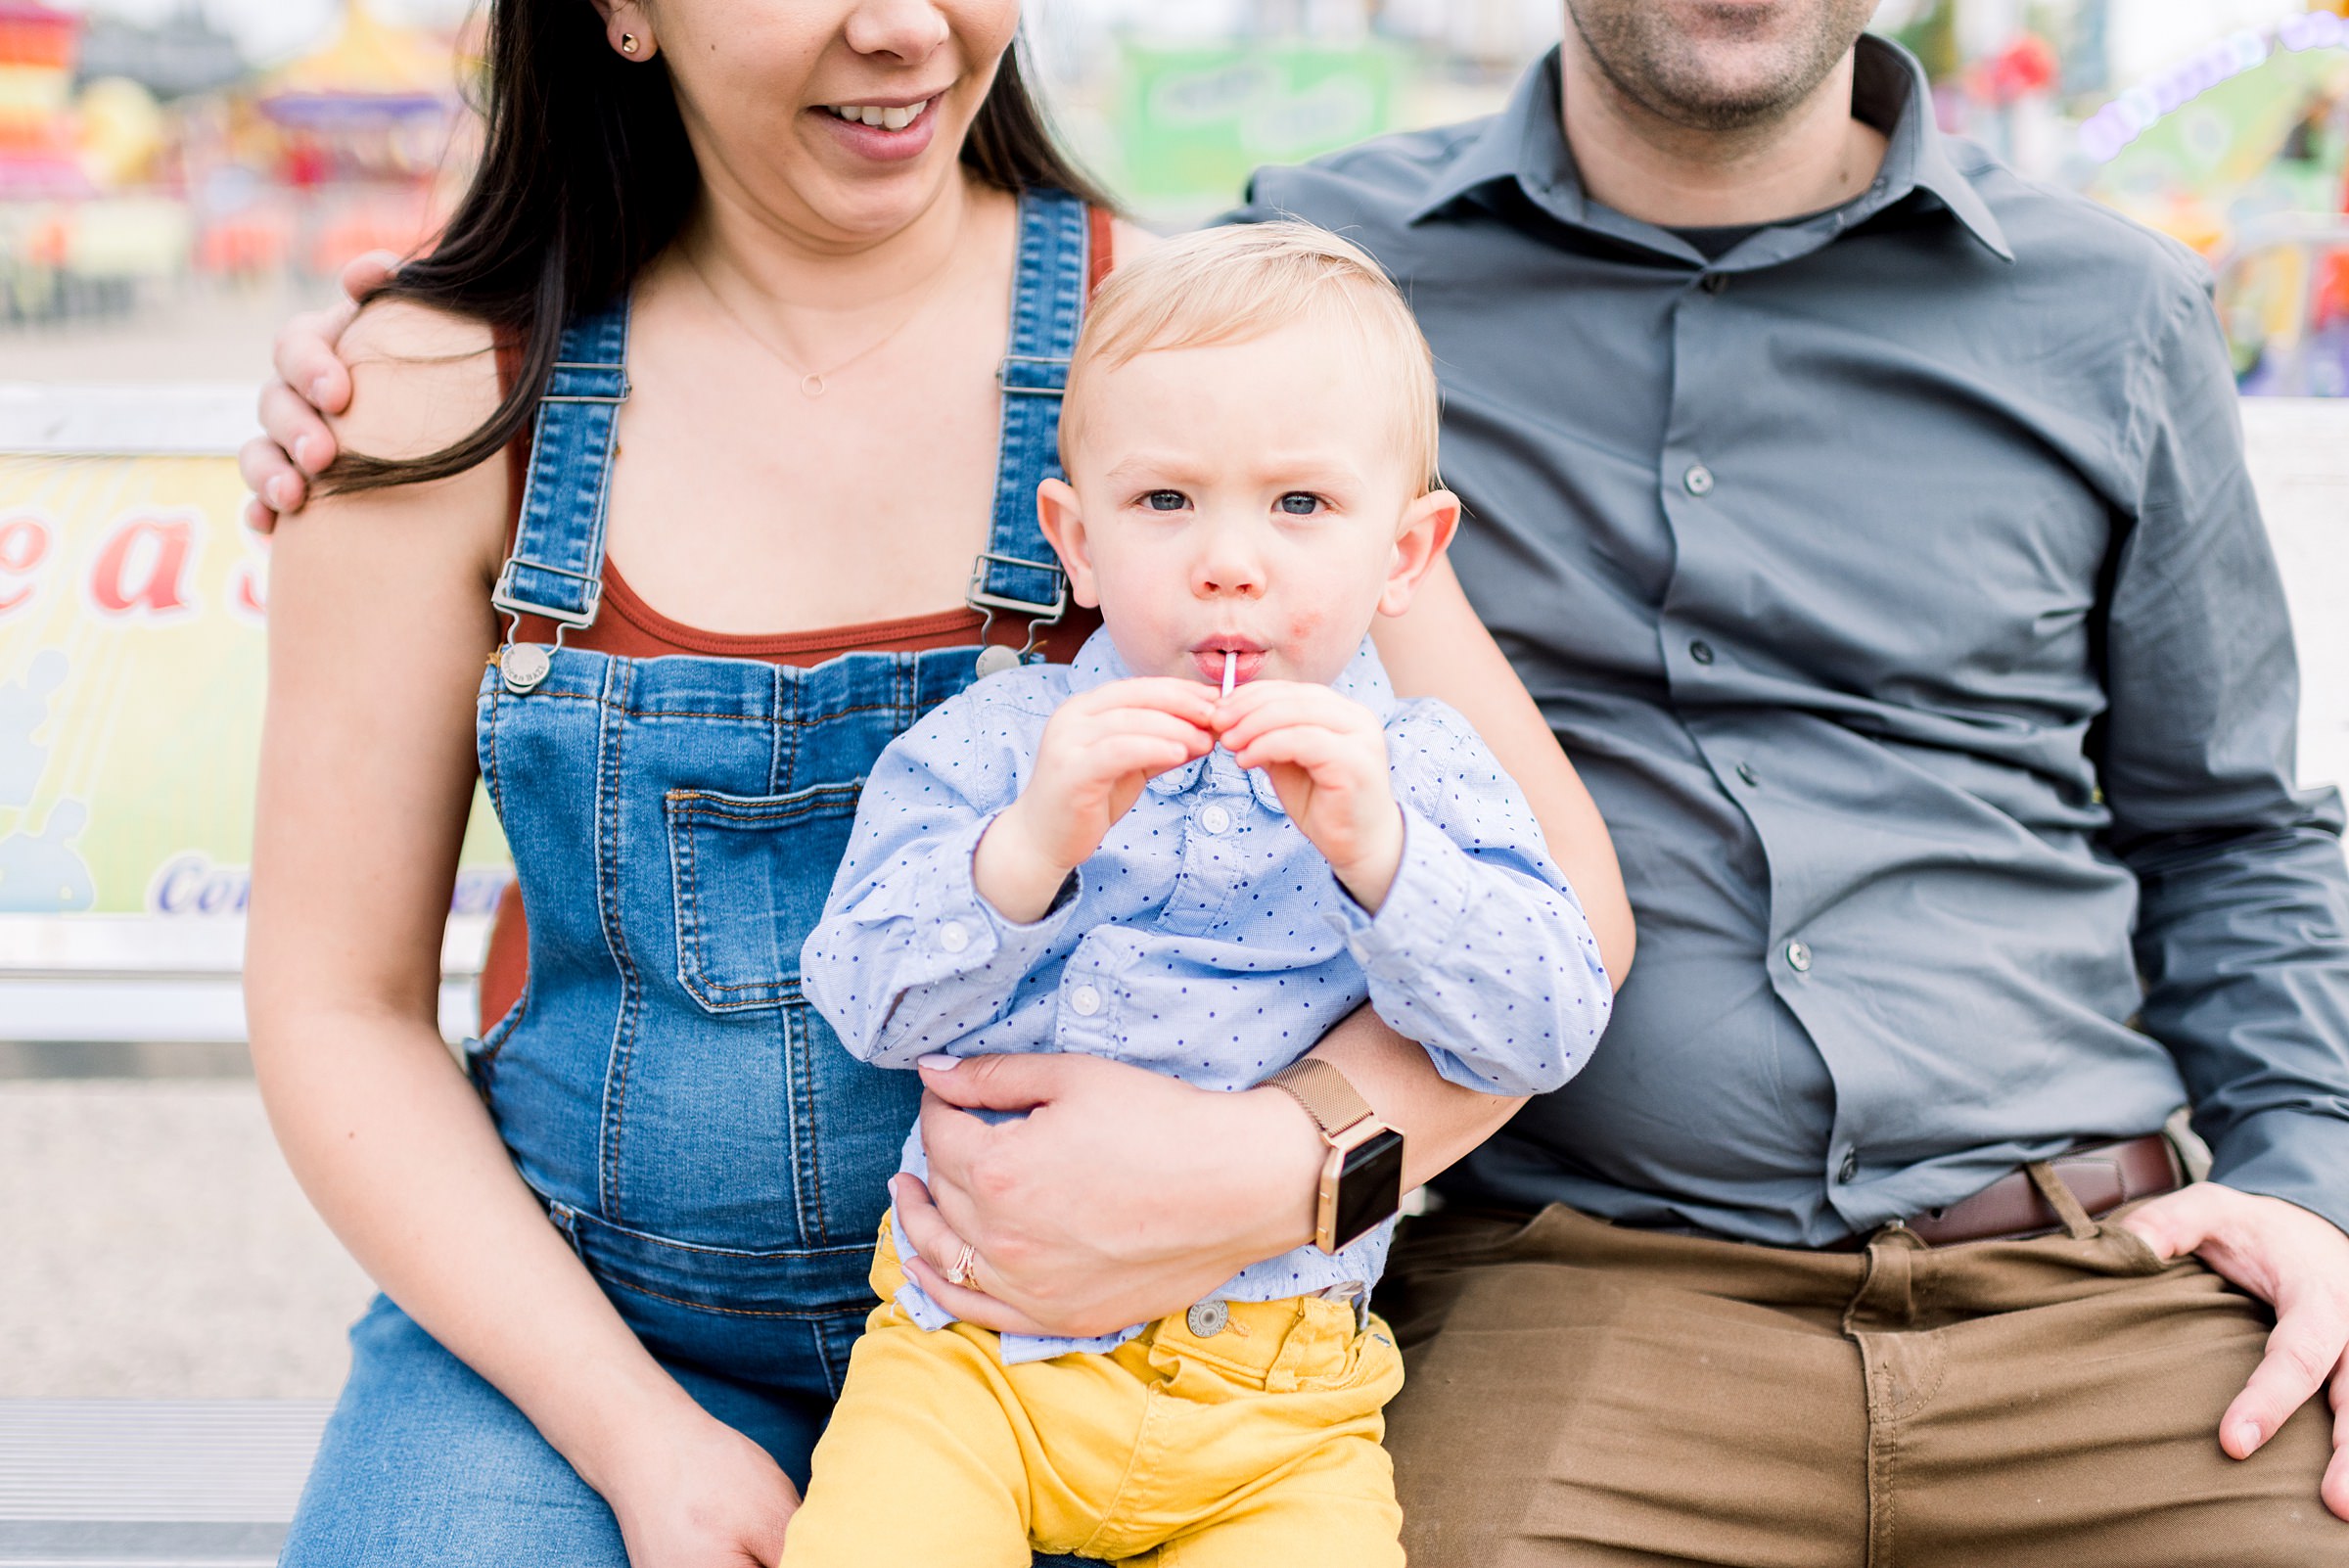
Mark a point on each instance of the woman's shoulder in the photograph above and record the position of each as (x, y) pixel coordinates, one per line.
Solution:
(422, 379)
(1127, 240)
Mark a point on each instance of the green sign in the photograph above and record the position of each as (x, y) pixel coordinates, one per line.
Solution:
(1193, 123)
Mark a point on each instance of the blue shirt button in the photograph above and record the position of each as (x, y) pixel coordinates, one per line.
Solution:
(1698, 479)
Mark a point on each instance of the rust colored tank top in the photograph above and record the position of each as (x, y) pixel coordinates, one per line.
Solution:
(629, 627)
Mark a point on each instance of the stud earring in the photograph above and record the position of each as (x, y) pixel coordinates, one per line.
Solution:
(627, 43)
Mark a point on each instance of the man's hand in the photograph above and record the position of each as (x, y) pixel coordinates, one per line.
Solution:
(1328, 759)
(1097, 752)
(311, 380)
(2297, 1262)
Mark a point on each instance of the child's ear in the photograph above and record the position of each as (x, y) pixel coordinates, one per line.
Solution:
(1063, 520)
(1428, 524)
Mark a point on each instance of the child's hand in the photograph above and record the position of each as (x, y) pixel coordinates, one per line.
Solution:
(1097, 752)
(1328, 759)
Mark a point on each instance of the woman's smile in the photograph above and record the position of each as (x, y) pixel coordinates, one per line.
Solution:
(885, 130)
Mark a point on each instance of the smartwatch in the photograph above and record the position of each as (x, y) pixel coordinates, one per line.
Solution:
(1361, 1179)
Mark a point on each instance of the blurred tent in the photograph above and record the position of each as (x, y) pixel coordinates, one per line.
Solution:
(38, 45)
(371, 77)
(365, 130)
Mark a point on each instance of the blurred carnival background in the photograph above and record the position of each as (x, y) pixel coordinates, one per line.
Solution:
(195, 166)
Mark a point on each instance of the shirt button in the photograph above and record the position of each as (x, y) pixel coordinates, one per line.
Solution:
(1745, 771)
(1798, 957)
(1850, 1166)
(1214, 819)
(952, 936)
(1701, 651)
(1698, 479)
(1085, 1001)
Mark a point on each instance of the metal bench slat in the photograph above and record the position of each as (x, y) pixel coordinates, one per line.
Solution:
(158, 1461)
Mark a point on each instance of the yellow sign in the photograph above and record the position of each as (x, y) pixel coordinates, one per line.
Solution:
(131, 681)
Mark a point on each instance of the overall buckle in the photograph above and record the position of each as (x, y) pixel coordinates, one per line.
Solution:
(568, 371)
(1040, 614)
(1049, 381)
(521, 665)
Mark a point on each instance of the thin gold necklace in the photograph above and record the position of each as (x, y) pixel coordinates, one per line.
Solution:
(813, 382)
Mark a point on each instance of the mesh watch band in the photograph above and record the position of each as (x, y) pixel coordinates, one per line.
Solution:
(1323, 1092)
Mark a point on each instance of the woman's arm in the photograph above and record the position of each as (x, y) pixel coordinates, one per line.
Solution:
(379, 631)
(1441, 649)
(1125, 1195)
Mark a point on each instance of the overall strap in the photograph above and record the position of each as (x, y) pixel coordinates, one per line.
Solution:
(1016, 572)
(557, 568)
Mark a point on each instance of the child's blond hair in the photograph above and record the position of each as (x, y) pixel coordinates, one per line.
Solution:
(1232, 285)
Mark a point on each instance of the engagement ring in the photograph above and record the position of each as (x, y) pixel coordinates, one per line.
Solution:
(965, 1270)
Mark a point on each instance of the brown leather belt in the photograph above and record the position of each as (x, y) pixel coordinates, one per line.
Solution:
(2102, 1179)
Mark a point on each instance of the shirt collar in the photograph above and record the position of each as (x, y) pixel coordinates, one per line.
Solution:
(1526, 142)
(1364, 680)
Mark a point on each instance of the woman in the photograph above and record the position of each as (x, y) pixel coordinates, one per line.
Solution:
(754, 267)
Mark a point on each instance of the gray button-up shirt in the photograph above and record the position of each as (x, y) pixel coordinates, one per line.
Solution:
(1896, 583)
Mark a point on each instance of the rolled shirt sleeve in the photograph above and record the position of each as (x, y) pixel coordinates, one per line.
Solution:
(2243, 931)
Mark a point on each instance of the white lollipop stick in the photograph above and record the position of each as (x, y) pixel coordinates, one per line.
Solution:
(1231, 671)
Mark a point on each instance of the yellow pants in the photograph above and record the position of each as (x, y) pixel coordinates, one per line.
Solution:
(1256, 1446)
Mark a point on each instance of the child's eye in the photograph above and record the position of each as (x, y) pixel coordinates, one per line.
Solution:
(1165, 502)
(1298, 503)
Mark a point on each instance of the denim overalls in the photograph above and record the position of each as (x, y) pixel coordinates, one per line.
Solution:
(694, 1128)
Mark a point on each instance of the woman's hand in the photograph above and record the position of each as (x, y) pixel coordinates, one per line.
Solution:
(312, 381)
(1124, 1195)
(702, 1496)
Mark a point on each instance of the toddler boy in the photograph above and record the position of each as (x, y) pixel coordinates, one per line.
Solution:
(1196, 848)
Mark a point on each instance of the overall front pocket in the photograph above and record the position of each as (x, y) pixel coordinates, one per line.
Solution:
(751, 875)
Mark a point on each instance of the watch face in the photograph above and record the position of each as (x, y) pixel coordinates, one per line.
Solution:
(1369, 1185)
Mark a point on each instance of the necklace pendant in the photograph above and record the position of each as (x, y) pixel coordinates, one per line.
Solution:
(811, 385)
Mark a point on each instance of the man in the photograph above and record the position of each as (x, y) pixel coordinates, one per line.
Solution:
(1872, 525)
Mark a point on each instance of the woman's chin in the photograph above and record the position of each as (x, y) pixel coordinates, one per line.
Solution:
(864, 198)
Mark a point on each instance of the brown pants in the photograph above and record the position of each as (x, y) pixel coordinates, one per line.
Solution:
(1579, 1394)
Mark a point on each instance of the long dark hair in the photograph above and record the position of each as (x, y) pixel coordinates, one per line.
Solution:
(585, 176)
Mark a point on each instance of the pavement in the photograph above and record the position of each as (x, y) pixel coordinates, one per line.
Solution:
(196, 333)
(152, 1245)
